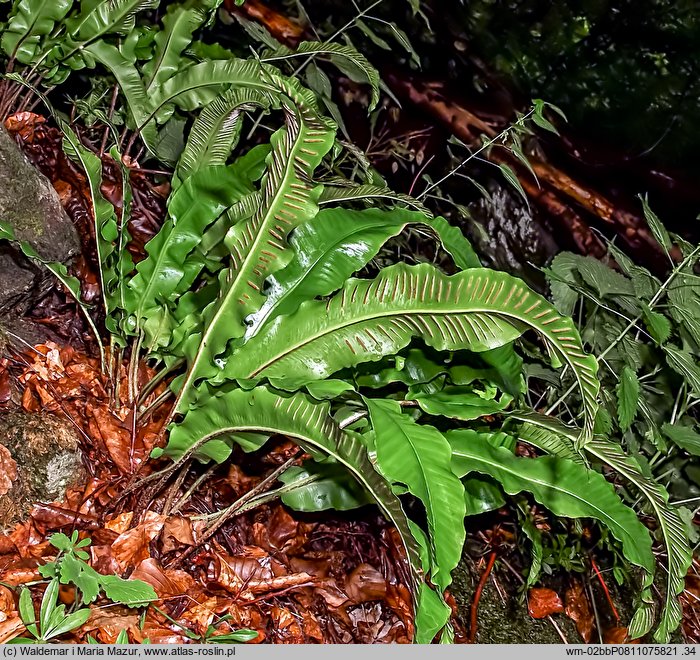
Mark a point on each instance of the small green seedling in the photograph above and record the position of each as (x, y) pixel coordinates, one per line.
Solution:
(71, 567)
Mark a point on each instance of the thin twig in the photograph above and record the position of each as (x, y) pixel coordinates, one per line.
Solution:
(605, 590)
(147, 411)
(173, 490)
(112, 106)
(483, 147)
(595, 611)
(557, 628)
(477, 597)
(230, 511)
(157, 379)
(190, 491)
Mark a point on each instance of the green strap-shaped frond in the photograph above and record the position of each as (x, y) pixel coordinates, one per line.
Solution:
(564, 487)
(216, 130)
(548, 434)
(180, 23)
(172, 265)
(418, 457)
(341, 55)
(477, 309)
(328, 249)
(296, 416)
(131, 85)
(31, 20)
(258, 246)
(198, 85)
(98, 18)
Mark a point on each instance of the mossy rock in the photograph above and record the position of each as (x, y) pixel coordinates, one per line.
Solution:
(47, 456)
(31, 206)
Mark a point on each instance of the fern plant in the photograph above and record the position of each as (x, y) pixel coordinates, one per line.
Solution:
(402, 385)
(647, 335)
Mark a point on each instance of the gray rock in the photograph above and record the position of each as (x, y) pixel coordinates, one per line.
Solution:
(31, 206)
(509, 237)
(47, 456)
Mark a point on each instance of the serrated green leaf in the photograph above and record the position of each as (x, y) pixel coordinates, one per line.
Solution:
(684, 299)
(132, 593)
(61, 542)
(684, 364)
(684, 436)
(627, 398)
(657, 324)
(85, 578)
(657, 229)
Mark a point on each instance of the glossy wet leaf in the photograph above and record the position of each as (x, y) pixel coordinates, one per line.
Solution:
(418, 456)
(477, 310)
(322, 486)
(564, 487)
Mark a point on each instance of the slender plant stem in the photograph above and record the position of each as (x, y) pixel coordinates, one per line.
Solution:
(483, 147)
(631, 324)
(190, 491)
(157, 379)
(146, 412)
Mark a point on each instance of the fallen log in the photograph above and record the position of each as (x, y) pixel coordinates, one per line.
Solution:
(564, 199)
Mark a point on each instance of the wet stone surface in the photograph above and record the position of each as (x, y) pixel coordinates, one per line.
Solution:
(508, 237)
(30, 205)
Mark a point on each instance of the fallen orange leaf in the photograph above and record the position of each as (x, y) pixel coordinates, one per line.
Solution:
(578, 609)
(542, 603)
